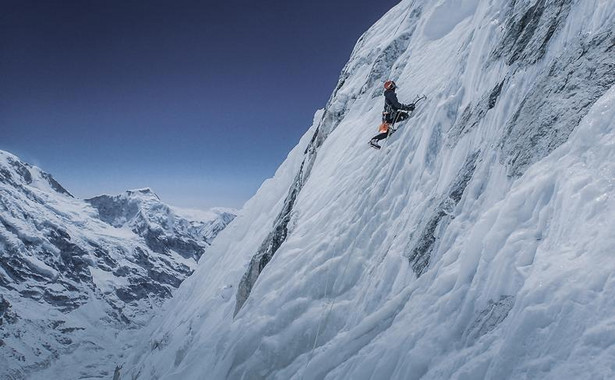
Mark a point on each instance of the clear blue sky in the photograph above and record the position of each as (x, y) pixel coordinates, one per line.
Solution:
(199, 100)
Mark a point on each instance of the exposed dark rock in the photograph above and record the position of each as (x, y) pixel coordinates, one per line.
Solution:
(158, 242)
(472, 116)
(114, 210)
(558, 102)
(421, 254)
(494, 95)
(64, 302)
(105, 261)
(490, 317)
(55, 185)
(142, 290)
(75, 261)
(5, 176)
(164, 278)
(529, 28)
(18, 270)
(4, 306)
(71, 329)
(21, 169)
(6, 315)
(124, 271)
(142, 211)
(270, 245)
(382, 66)
(422, 247)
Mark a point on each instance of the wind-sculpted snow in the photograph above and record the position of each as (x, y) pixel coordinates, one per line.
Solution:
(68, 279)
(447, 15)
(476, 244)
(336, 110)
(384, 66)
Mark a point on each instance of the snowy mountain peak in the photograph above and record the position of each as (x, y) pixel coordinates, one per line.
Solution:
(122, 209)
(75, 273)
(146, 191)
(18, 173)
(164, 228)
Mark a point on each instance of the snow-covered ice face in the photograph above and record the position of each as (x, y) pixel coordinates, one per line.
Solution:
(450, 253)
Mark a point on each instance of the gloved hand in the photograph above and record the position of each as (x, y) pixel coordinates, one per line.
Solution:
(409, 107)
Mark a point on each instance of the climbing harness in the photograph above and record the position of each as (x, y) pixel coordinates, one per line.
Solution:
(392, 128)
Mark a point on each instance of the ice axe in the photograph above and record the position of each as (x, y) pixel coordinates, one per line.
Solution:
(415, 102)
(418, 99)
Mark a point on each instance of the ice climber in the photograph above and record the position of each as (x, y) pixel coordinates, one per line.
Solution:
(394, 111)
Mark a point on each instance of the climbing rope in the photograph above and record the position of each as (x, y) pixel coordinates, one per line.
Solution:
(402, 20)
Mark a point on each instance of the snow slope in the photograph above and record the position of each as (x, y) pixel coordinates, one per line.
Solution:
(476, 244)
(72, 277)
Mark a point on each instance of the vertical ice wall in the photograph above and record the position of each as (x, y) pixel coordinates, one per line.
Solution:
(475, 244)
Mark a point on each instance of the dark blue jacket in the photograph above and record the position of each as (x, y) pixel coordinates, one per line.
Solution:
(392, 106)
(391, 102)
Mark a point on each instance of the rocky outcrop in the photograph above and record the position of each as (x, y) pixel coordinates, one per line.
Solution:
(422, 246)
(530, 26)
(559, 100)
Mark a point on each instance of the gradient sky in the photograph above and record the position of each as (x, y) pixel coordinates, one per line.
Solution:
(199, 100)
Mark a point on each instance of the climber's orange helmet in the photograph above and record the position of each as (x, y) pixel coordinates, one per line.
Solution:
(389, 85)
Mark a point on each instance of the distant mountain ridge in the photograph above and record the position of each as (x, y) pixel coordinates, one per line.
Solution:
(162, 227)
(72, 271)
